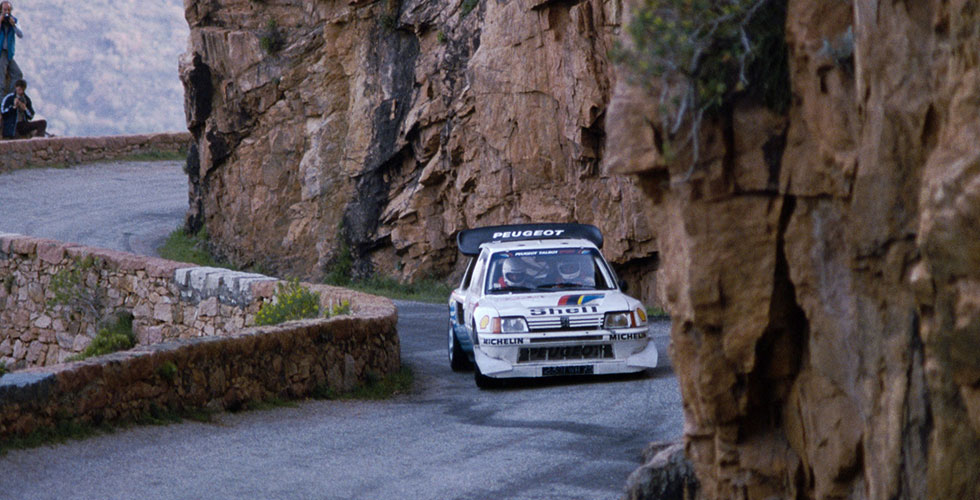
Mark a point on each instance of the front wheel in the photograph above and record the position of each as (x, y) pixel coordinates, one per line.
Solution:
(458, 360)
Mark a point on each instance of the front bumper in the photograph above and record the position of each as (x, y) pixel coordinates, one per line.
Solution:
(595, 352)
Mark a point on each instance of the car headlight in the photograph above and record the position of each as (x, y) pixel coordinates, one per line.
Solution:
(512, 324)
(618, 320)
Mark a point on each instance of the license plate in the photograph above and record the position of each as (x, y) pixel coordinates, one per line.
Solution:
(556, 371)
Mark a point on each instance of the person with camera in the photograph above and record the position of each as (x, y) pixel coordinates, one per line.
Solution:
(17, 112)
(9, 70)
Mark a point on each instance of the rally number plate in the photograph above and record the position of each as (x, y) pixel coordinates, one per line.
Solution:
(555, 371)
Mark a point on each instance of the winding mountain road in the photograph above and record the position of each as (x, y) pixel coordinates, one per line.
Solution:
(444, 440)
(128, 206)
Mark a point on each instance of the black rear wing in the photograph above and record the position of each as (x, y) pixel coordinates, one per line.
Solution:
(469, 240)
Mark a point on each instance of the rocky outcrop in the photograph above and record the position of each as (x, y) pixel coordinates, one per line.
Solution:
(822, 268)
(666, 474)
(395, 124)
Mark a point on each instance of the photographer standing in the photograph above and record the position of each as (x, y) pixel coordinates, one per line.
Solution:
(17, 111)
(9, 70)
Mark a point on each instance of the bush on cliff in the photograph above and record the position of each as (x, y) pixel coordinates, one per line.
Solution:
(699, 55)
(272, 40)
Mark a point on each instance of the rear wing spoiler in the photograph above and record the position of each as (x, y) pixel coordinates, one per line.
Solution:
(469, 240)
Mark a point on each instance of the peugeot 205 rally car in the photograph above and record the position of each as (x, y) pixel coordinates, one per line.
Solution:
(539, 300)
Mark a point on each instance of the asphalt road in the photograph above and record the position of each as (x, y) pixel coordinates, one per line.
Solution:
(444, 440)
(128, 206)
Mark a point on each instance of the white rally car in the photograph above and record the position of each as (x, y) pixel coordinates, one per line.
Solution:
(539, 300)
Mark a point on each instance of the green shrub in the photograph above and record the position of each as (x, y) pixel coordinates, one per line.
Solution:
(70, 289)
(167, 371)
(291, 301)
(340, 309)
(117, 336)
(340, 269)
(468, 6)
(272, 40)
(389, 15)
(3, 368)
(705, 53)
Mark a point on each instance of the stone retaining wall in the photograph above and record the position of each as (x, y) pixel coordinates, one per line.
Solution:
(195, 349)
(61, 151)
(168, 300)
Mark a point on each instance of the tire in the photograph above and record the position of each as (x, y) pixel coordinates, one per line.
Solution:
(458, 360)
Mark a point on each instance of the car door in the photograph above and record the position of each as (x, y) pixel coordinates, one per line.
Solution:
(475, 292)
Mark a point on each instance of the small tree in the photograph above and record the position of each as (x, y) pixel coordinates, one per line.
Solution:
(702, 53)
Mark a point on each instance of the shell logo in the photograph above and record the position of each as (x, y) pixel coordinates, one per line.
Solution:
(485, 322)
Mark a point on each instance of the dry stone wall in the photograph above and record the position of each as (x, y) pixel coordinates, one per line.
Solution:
(61, 151)
(168, 300)
(196, 346)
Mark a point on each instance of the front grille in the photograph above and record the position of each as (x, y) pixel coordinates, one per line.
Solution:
(538, 354)
(574, 322)
(579, 338)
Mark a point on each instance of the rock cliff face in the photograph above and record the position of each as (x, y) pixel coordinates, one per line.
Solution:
(823, 269)
(382, 128)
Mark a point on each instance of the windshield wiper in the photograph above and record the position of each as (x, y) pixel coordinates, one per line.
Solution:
(566, 286)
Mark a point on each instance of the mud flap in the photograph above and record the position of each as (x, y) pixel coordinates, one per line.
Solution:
(647, 358)
(488, 365)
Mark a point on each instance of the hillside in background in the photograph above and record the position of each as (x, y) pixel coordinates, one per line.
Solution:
(101, 67)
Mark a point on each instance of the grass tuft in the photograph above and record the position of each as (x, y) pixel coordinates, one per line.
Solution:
(428, 290)
(657, 312)
(190, 248)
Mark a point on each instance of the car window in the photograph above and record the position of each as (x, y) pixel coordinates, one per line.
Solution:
(547, 270)
(478, 273)
(468, 274)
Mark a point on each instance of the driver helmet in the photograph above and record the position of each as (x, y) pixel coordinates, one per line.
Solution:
(514, 273)
(570, 270)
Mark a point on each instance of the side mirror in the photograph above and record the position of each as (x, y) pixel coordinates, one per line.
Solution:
(623, 285)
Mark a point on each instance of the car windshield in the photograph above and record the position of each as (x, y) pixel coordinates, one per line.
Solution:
(547, 270)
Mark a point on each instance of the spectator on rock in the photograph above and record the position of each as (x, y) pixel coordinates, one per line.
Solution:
(9, 70)
(17, 112)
